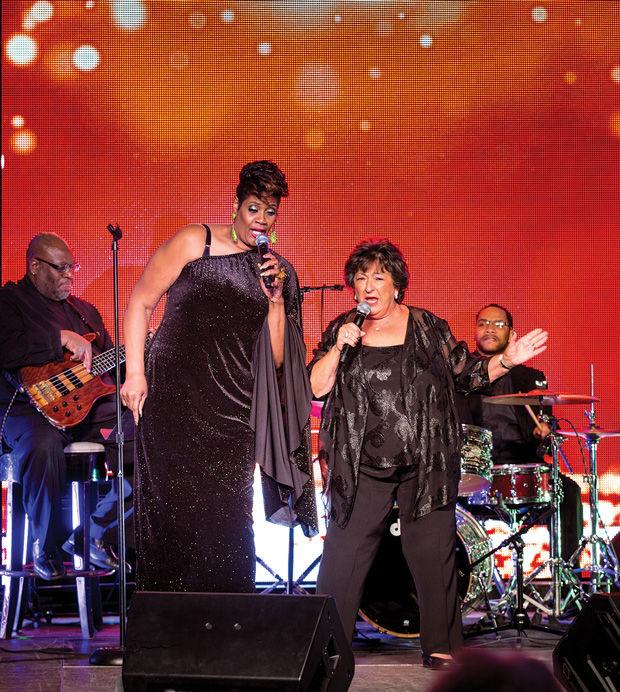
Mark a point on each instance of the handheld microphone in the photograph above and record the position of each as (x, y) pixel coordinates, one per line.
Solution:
(262, 244)
(363, 310)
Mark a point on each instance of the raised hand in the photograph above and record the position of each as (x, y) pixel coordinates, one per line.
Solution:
(521, 350)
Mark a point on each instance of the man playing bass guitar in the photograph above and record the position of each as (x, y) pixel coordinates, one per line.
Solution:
(41, 325)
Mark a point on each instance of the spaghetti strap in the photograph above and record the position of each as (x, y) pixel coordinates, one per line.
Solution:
(207, 250)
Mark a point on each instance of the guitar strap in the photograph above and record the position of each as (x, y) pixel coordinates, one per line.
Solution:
(83, 317)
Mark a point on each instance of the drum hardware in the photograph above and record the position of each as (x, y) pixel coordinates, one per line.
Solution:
(603, 567)
(561, 573)
(519, 620)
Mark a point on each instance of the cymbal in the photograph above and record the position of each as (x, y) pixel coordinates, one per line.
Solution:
(316, 409)
(539, 397)
(591, 433)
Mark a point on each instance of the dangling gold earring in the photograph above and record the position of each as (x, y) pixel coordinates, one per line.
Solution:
(273, 236)
(233, 233)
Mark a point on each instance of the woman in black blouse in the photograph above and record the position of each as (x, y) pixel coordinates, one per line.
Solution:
(390, 431)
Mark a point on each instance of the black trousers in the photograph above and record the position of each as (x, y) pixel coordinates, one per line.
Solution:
(428, 544)
(38, 449)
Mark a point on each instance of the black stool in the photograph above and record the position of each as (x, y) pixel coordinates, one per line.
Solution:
(85, 467)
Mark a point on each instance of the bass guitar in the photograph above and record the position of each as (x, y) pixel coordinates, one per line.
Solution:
(65, 392)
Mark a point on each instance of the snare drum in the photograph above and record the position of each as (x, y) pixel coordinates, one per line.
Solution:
(517, 484)
(476, 461)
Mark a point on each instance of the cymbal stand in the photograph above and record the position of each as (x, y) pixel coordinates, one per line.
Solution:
(603, 567)
(561, 574)
(520, 619)
(533, 516)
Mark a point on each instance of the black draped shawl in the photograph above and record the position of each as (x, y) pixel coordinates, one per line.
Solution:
(435, 366)
(280, 419)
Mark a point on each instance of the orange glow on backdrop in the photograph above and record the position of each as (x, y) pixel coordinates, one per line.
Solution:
(482, 137)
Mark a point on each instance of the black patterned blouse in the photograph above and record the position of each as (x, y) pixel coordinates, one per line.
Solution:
(434, 367)
(389, 438)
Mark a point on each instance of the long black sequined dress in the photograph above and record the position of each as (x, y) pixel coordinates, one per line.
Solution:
(196, 449)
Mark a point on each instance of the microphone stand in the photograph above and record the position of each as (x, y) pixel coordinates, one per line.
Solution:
(295, 585)
(113, 656)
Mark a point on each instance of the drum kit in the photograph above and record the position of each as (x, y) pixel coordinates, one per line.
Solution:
(522, 495)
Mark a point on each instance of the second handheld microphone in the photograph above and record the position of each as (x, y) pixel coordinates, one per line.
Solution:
(363, 310)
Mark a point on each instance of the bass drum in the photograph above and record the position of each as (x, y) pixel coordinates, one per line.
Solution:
(389, 602)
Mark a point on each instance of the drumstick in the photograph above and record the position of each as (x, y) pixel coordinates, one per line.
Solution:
(534, 417)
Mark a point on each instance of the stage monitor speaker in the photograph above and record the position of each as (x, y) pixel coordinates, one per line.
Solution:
(202, 641)
(587, 658)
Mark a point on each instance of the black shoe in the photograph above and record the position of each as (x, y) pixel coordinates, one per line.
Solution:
(100, 554)
(48, 567)
(436, 662)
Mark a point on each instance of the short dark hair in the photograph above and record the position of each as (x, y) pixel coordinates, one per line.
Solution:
(386, 254)
(500, 307)
(262, 179)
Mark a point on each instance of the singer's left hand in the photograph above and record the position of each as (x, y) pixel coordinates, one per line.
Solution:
(271, 268)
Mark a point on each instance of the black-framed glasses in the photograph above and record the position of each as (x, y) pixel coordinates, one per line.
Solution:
(498, 324)
(62, 268)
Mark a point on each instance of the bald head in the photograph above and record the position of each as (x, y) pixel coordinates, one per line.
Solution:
(46, 252)
(41, 242)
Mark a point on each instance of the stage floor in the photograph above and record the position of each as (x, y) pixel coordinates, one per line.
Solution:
(54, 658)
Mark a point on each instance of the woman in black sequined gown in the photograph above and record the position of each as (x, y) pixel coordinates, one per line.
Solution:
(207, 403)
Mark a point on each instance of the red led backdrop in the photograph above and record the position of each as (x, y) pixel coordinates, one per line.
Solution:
(482, 137)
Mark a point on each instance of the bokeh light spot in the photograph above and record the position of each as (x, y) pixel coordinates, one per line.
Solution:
(21, 49)
(317, 85)
(337, 19)
(41, 11)
(23, 141)
(178, 60)
(227, 16)
(614, 124)
(89, 4)
(264, 48)
(426, 40)
(86, 58)
(374, 73)
(17, 121)
(539, 14)
(615, 74)
(129, 14)
(315, 139)
(365, 126)
(197, 20)
(59, 61)
(570, 78)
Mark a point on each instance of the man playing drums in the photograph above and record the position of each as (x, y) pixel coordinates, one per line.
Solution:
(517, 440)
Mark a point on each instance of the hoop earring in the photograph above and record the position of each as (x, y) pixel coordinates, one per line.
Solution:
(233, 233)
(273, 236)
